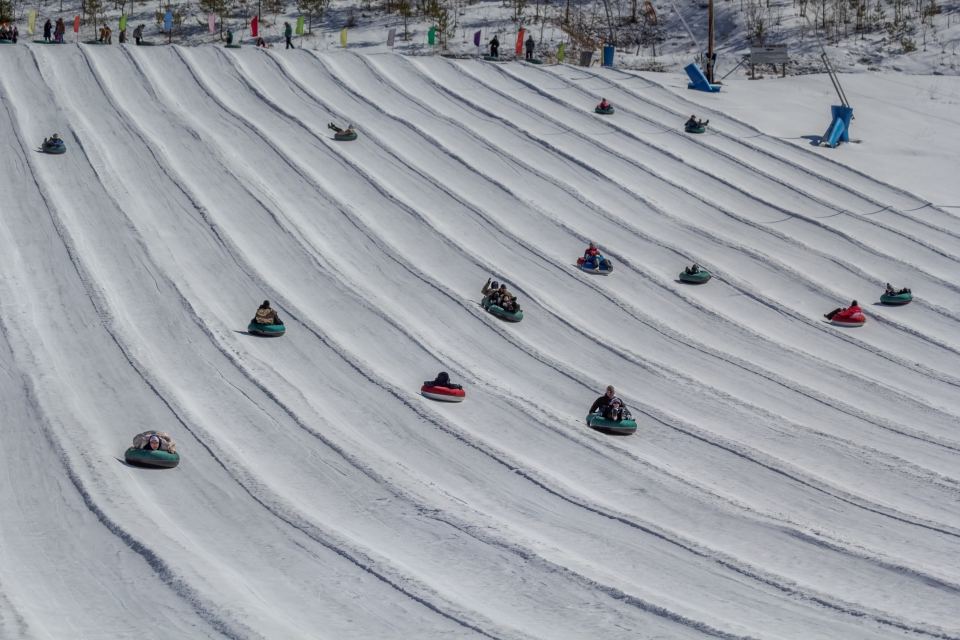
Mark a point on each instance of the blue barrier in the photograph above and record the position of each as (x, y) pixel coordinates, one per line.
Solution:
(839, 130)
(698, 81)
(608, 51)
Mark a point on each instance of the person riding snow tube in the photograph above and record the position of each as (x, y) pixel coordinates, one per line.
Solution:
(266, 322)
(695, 275)
(593, 262)
(153, 449)
(350, 133)
(604, 107)
(442, 389)
(53, 145)
(500, 302)
(852, 316)
(695, 126)
(608, 413)
(896, 298)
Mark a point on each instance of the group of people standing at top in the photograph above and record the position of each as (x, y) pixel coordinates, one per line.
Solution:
(9, 33)
(529, 45)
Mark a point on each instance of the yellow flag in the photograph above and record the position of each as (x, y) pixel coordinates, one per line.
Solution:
(343, 37)
(31, 21)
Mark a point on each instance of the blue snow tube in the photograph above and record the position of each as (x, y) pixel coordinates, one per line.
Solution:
(600, 423)
(55, 149)
(590, 266)
(898, 299)
(695, 278)
(150, 458)
(271, 330)
(502, 313)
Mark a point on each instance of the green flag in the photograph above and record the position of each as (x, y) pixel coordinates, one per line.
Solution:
(432, 36)
(123, 22)
(300, 26)
(562, 52)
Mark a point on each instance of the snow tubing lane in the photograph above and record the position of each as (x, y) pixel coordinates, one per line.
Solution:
(149, 458)
(602, 271)
(856, 320)
(501, 313)
(694, 129)
(898, 300)
(53, 150)
(492, 58)
(272, 330)
(605, 112)
(695, 278)
(443, 394)
(624, 426)
(345, 136)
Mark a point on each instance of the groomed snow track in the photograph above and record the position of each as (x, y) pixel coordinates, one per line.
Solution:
(788, 479)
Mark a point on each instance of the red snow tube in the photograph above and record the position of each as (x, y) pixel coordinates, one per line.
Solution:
(443, 394)
(856, 320)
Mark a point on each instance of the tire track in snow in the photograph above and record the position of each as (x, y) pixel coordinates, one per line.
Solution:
(834, 168)
(273, 107)
(751, 168)
(178, 585)
(740, 286)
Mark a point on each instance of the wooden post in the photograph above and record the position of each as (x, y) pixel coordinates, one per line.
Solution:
(710, 47)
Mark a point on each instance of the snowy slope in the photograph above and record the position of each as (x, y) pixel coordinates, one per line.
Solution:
(789, 479)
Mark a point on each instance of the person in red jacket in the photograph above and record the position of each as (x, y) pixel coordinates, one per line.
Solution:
(842, 313)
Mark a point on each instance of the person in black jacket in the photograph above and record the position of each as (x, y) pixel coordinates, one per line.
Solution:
(47, 30)
(616, 411)
(443, 380)
(495, 47)
(601, 402)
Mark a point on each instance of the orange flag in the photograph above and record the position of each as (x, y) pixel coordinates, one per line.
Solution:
(520, 42)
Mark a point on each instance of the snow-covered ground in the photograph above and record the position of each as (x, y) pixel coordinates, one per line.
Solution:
(789, 479)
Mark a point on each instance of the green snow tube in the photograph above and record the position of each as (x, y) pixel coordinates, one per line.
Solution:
(144, 43)
(897, 300)
(55, 150)
(6, 41)
(695, 278)
(272, 330)
(345, 136)
(700, 129)
(150, 458)
(624, 426)
(501, 313)
(608, 111)
(45, 42)
(92, 42)
(492, 58)
(534, 61)
(231, 46)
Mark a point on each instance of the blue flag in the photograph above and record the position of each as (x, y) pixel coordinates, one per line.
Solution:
(476, 39)
(168, 21)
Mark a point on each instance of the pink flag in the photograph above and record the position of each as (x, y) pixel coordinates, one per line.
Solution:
(253, 25)
(213, 21)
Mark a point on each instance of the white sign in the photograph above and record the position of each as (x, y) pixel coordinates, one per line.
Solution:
(769, 54)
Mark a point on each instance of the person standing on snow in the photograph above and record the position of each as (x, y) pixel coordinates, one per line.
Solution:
(288, 34)
(59, 30)
(47, 28)
(495, 47)
(530, 44)
(138, 34)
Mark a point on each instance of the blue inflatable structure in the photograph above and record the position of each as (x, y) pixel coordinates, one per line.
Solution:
(839, 130)
(698, 81)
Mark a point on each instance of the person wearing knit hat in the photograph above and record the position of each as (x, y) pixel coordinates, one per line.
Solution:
(601, 402)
